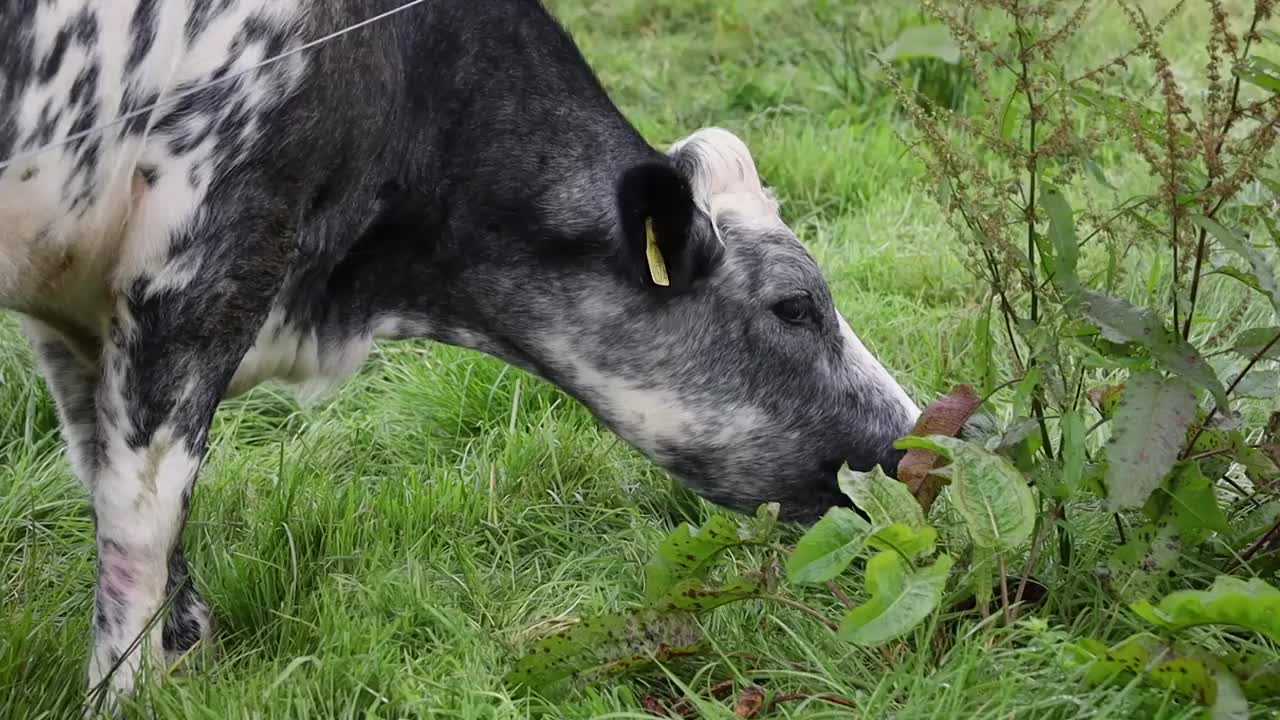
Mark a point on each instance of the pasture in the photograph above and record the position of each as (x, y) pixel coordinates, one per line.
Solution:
(389, 551)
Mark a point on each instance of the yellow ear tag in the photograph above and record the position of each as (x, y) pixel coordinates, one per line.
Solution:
(657, 266)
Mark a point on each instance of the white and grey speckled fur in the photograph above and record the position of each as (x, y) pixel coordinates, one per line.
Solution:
(457, 174)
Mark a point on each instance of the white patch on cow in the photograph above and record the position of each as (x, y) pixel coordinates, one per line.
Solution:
(399, 327)
(285, 353)
(137, 500)
(725, 178)
(870, 373)
(647, 417)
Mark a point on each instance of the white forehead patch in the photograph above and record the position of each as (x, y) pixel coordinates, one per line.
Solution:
(724, 177)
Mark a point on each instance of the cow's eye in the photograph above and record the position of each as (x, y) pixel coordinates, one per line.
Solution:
(795, 310)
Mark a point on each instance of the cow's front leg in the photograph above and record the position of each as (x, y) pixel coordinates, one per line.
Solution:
(170, 354)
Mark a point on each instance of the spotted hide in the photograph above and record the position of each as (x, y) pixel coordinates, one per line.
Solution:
(197, 196)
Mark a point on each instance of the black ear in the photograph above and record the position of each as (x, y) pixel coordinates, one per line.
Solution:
(655, 197)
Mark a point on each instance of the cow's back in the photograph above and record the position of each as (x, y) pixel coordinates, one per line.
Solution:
(82, 204)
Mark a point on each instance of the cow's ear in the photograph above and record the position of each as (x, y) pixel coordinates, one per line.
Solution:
(667, 243)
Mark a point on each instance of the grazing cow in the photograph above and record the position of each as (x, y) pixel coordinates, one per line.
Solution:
(200, 195)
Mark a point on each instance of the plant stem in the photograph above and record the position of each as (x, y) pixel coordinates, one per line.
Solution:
(1232, 114)
(1261, 542)
(1120, 528)
(1034, 554)
(840, 594)
(1037, 408)
(1006, 309)
(1174, 243)
(1064, 540)
(1004, 591)
(1032, 165)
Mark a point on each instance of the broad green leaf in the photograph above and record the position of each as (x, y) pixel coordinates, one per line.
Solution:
(1062, 231)
(1193, 504)
(1186, 675)
(925, 41)
(688, 553)
(828, 547)
(1259, 71)
(901, 598)
(1073, 457)
(1252, 341)
(1155, 661)
(1211, 438)
(1258, 672)
(884, 499)
(1259, 275)
(906, 540)
(1250, 604)
(1259, 384)
(1019, 442)
(693, 595)
(1140, 564)
(1121, 321)
(987, 490)
(605, 646)
(1022, 391)
(1114, 665)
(1148, 432)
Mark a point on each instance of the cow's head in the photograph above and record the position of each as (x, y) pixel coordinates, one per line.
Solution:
(738, 375)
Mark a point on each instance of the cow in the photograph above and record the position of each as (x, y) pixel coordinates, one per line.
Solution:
(197, 196)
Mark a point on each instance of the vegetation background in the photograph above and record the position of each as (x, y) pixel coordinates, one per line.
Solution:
(390, 553)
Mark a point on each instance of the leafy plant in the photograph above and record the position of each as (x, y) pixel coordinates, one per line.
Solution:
(1222, 681)
(1139, 408)
(905, 578)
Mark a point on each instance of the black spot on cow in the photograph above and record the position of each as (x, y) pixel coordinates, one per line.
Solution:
(52, 61)
(142, 31)
(46, 126)
(82, 28)
(204, 12)
(85, 84)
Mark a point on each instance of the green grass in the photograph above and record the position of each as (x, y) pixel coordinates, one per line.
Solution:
(389, 553)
